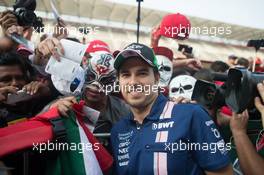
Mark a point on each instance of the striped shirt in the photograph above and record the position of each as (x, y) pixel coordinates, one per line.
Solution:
(173, 139)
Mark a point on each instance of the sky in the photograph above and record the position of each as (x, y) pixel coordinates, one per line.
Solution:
(248, 13)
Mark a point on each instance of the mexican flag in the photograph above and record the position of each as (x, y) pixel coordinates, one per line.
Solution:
(86, 155)
(80, 153)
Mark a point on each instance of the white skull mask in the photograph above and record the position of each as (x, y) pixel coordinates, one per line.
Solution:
(165, 70)
(182, 85)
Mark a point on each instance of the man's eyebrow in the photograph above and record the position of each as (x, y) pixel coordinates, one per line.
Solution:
(123, 71)
(143, 69)
(4, 76)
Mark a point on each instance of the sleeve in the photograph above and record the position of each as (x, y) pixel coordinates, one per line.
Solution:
(210, 151)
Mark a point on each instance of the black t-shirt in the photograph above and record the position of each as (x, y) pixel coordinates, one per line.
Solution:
(115, 110)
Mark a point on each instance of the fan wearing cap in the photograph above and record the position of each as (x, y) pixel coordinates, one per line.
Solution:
(173, 22)
(258, 66)
(231, 60)
(100, 74)
(98, 77)
(142, 140)
(95, 46)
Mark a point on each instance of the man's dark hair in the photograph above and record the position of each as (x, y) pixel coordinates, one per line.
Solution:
(204, 74)
(219, 66)
(232, 57)
(13, 59)
(243, 62)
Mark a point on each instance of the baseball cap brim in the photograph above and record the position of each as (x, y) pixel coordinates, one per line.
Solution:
(128, 53)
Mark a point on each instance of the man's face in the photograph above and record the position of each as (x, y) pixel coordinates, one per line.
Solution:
(5, 43)
(136, 79)
(92, 93)
(12, 76)
(231, 61)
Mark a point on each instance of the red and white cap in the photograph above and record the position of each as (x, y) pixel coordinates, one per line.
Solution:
(175, 26)
(164, 51)
(97, 45)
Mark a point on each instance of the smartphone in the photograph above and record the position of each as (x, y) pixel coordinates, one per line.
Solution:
(19, 97)
(185, 48)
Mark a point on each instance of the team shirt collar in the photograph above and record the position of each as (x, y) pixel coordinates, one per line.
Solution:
(156, 109)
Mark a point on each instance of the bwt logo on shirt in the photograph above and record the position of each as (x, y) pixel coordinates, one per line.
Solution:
(162, 125)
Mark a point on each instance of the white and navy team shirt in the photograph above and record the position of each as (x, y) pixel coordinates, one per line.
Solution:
(173, 139)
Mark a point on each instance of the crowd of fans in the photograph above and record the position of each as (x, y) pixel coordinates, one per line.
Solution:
(22, 70)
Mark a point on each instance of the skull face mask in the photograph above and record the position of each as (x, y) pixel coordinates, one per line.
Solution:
(165, 70)
(164, 58)
(100, 71)
(182, 85)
